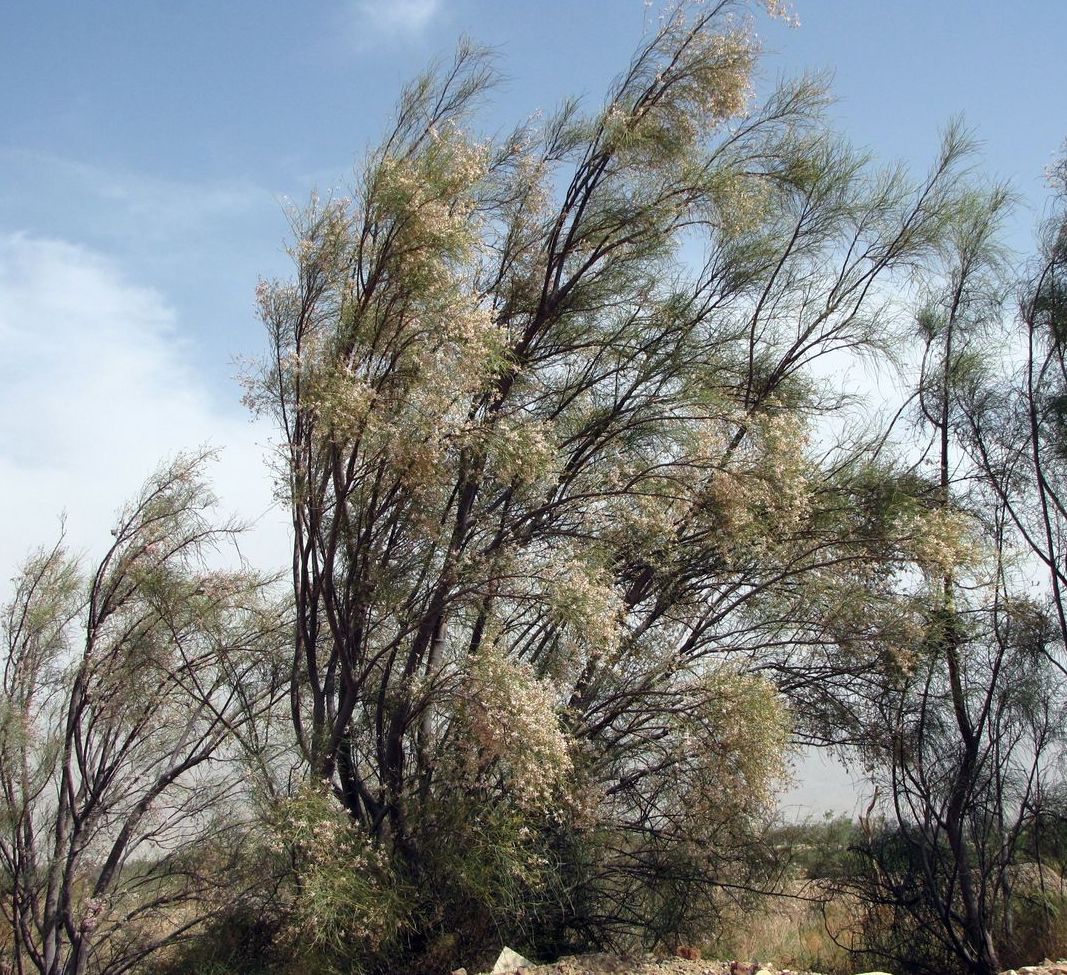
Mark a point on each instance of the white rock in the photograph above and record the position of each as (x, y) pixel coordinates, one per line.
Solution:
(508, 962)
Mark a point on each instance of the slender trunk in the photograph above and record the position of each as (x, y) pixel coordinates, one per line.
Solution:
(977, 933)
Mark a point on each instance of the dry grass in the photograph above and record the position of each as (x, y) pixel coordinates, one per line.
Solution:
(803, 930)
(811, 927)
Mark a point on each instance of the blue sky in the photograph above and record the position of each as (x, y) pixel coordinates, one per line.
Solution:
(164, 135)
(147, 147)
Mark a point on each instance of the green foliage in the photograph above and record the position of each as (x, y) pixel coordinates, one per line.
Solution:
(820, 849)
(347, 902)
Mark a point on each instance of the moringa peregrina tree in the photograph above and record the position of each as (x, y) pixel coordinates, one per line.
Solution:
(545, 405)
(131, 704)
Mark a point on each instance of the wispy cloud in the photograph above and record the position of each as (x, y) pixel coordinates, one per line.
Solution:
(156, 207)
(95, 391)
(397, 16)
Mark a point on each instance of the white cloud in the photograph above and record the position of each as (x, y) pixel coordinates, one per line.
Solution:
(398, 16)
(137, 204)
(96, 391)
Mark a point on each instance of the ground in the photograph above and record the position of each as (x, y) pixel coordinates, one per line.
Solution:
(599, 964)
(649, 965)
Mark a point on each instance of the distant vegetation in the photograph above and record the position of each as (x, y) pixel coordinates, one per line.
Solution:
(588, 535)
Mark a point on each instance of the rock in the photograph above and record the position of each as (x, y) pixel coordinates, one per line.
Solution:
(688, 952)
(459, 971)
(873, 973)
(743, 968)
(508, 962)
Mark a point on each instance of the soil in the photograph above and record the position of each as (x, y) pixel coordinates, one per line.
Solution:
(649, 965)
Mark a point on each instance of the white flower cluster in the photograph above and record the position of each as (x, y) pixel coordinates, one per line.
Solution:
(765, 491)
(341, 402)
(429, 198)
(513, 721)
(731, 744)
(588, 605)
(346, 889)
(939, 539)
(521, 451)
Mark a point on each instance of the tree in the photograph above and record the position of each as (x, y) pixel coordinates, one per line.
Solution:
(1016, 431)
(133, 704)
(974, 728)
(948, 326)
(941, 883)
(557, 514)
